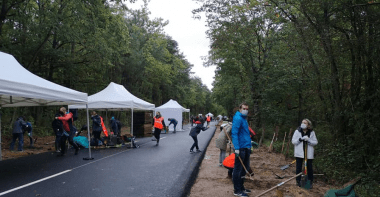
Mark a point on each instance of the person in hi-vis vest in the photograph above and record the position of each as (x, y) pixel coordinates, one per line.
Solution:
(159, 124)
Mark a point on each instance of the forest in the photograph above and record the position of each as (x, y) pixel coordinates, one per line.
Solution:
(288, 59)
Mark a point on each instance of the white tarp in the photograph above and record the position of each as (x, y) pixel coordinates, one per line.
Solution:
(115, 98)
(172, 109)
(210, 114)
(19, 87)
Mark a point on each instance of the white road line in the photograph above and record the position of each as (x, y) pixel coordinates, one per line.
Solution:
(32, 183)
(52, 176)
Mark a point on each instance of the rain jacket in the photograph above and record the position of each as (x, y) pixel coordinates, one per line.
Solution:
(299, 145)
(240, 132)
(67, 121)
(19, 125)
(221, 141)
(96, 123)
(197, 129)
(173, 121)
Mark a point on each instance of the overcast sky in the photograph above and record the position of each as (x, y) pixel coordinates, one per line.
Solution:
(188, 32)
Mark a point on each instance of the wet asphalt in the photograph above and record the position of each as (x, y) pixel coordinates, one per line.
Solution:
(164, 170)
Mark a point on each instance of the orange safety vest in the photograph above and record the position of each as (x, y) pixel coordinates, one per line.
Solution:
(158, 122)
(229, 162)
(208, 119)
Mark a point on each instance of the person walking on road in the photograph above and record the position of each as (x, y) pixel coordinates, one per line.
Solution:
(302, 137)
(68, 132)
(208, 119)
(159, 124)
(96, 127)
(174, 122)
(242, 142)
(17, 133)
(194, 133)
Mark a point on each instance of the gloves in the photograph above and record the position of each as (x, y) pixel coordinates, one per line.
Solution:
(29, 134)
(237, 153)
(305, 138)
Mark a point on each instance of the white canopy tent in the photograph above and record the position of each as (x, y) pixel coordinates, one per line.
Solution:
(210, 114)
(172, 109)
(115, 98)
(19, 87)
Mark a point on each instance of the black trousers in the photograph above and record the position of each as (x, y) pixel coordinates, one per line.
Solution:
(97, 137)
(299, 162)
(157, 133)
(71, 142)
(195, 144)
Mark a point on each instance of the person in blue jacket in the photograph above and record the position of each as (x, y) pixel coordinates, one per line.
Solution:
(174, 122)
(17, 132)
(242, 144)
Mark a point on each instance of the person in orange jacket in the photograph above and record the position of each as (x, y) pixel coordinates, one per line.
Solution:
(69, 131)
(159, 124)
(208, 119)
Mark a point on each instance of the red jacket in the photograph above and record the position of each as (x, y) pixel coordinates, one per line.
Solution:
(65, 120)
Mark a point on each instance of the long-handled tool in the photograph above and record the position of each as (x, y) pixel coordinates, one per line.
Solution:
(305, 182)
(287, 166)
(278, 185)
(271, 144)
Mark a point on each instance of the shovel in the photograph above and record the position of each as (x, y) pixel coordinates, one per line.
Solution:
(287, 166)
(305, 182)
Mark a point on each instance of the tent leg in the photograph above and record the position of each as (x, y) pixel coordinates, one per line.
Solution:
(1, 156)
(89, 137)
(132, 126)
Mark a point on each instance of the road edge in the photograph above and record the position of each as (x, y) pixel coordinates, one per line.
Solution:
(193, 176)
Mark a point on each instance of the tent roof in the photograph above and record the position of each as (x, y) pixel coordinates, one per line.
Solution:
(172, 104)
(210, 114)
(115, 97)
(19, 87)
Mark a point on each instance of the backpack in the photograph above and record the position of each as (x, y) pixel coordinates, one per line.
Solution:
(75, 114)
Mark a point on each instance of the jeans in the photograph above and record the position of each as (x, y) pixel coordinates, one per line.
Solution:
(20, 137)
(310, 173)
(71, 142)
(195, 144)
(239, 171)
(222, 155)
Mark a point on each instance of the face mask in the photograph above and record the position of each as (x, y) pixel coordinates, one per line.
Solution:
(244, 112)
(303, 126)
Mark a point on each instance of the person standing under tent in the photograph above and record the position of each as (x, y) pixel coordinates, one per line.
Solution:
(96, 127)
(194, 133)
(68, 130)
(115, 126)
(174, 122)
(17, 133)
(242, 142)
(58, 131)
(302, 137)
(29, 129)
(158, 124)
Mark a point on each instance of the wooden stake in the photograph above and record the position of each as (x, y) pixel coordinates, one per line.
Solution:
(290, 138)
(283, 142)
(271, 144)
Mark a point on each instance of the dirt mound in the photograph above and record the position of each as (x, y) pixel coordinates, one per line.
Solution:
(213, 180)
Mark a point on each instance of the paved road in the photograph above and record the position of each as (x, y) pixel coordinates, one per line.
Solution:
(164, 170)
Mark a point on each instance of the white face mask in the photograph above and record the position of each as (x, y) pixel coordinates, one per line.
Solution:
(303, 126)
(244, 112)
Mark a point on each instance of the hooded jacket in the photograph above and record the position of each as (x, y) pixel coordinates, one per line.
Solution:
(19, 125)
(197, 129)
(96, 123)
(240, 132)
(299, 145)
(221, 141)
